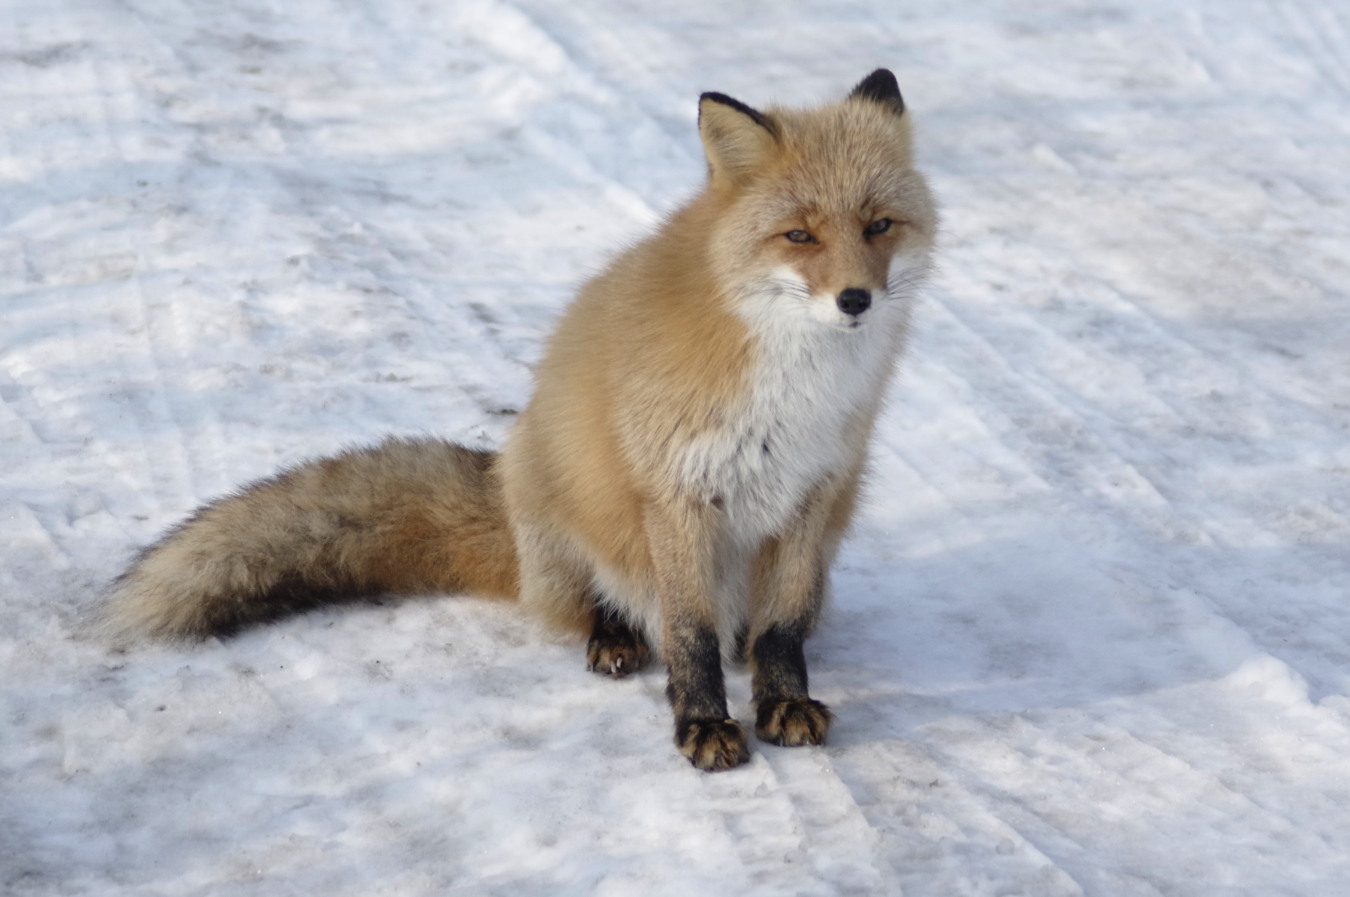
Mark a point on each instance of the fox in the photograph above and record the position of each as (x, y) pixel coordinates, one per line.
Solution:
(680, 481)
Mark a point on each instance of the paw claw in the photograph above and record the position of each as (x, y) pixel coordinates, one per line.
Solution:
(616, 657)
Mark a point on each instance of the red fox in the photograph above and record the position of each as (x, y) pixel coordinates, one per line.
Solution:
(689, 461)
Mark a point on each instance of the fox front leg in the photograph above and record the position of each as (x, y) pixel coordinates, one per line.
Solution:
(681, 535)
(788, 591)
(785, 714)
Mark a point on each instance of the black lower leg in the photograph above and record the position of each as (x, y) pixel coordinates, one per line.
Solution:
(696, 688)
(704, 731)
(780, 662)
(784, 712)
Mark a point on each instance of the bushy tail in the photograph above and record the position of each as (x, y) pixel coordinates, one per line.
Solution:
(406, 516)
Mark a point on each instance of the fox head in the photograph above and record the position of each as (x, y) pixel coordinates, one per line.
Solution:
(820, 214)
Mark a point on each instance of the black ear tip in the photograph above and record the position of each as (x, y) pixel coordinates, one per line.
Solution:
(724, 100)
(880, 87)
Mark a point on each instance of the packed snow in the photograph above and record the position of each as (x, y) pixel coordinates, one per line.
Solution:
(1091, 635)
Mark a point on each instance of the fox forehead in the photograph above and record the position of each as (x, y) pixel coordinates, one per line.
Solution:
(840, 163)
(813, 206)
(841, 152)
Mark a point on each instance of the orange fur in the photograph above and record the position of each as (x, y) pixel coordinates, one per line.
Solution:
(688, 463)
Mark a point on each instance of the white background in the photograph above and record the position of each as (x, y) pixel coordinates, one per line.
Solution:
(1091, 636)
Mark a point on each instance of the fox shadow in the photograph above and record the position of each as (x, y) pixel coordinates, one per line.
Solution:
(1040, 623)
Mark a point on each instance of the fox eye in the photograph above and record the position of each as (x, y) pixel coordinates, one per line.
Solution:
(880, 226)
(799, 236)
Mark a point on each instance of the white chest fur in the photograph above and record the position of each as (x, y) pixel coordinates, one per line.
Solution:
(809, 383)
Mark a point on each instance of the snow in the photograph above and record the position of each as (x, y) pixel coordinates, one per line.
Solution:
(1091, 636)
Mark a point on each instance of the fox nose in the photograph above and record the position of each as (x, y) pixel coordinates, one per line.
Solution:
(854, 301)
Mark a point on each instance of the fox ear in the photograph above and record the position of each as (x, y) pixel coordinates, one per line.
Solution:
(736, 138)
(880, 87)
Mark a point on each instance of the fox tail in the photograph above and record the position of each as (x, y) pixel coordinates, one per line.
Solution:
(407, 516)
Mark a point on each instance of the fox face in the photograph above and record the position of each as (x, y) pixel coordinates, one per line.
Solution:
(824, 219)
(816, 231)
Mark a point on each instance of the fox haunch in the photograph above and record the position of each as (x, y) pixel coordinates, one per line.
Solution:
(689, 461)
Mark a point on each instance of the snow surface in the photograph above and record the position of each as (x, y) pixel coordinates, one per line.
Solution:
(1092, 635)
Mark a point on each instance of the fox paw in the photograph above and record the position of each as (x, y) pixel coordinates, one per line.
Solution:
(616, 653)
(713, 745)
(792, 722)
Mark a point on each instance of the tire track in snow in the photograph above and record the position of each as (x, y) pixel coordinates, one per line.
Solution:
(117, 104)
(1054, 431)
(1175, 511)
(76, 237)
(1094, 782)
(592, 47)
(625, 110)
(788, 810)
(1319, 28)
(936, 833)
(1140, 408)
(19, 416)
(165, 443)
(838, 842)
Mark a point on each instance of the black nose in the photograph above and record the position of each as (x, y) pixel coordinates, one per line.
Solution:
(854, 301)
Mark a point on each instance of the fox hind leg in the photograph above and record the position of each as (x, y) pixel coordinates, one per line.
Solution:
(556, 583)
(615, 648)
(555, 578)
